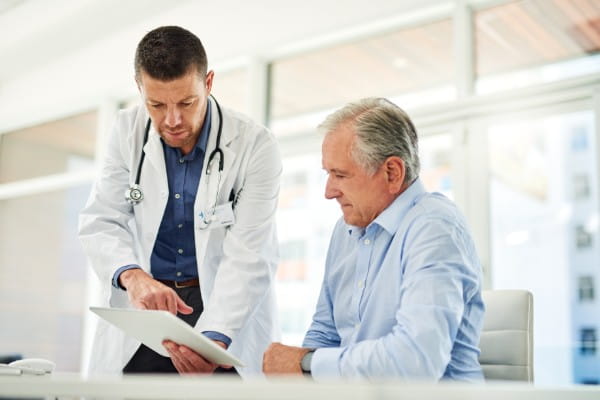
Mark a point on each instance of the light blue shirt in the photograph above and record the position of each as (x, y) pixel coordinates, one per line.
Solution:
(402, 297)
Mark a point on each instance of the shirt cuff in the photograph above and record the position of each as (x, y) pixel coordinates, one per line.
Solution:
(325, 363)
(218, 336)
(115, 280)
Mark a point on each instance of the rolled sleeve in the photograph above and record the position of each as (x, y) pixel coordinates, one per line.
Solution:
(325, 363)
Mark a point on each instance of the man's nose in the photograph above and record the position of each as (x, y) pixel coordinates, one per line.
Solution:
(173, 117)
(331, 190)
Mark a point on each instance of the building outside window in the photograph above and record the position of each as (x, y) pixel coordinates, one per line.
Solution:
(588, 342)
(586, 289)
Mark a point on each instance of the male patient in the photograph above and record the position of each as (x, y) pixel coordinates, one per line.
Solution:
(401, 295)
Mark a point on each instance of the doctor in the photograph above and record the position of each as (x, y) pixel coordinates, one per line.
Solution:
(182, 215)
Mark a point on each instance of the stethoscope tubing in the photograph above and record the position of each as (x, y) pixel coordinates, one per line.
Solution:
(135, 199)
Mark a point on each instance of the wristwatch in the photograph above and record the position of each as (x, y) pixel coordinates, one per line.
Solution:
(305, 362)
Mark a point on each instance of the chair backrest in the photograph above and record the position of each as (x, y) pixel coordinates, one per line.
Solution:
(507, 337)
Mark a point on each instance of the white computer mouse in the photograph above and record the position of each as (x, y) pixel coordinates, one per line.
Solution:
(36, 366)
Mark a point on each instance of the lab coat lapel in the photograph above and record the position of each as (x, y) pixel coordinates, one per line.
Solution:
(155, 185)
(210, 184)
(156, 158)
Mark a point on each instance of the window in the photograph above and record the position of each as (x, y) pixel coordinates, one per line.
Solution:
(588, 341)
(42, 276)
(533, 41)
(435, 154)
(305, 220)
(415, 60)
(49, 148)
(230, 88)
(586, 289)
(541, 238)
(292, 264)
(581, 186)
(583, 238)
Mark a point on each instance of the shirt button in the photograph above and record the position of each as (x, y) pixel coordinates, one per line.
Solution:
(181, 161)
(356, 326)
(178, 274)
(180, 226)
(360, 284)
(177, 195)
(180, 251)
(367, 242)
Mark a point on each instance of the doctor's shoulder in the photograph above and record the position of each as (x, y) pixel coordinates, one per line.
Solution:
(128, 130)
(248, 127)
(131, 121)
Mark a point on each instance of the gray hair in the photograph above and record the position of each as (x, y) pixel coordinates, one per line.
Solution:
(382, 130)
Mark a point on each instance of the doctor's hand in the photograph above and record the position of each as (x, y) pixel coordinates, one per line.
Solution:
(148, 294)
(187, 361)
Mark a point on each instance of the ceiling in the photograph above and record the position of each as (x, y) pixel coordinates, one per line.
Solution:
(61, 57)
(36, 32)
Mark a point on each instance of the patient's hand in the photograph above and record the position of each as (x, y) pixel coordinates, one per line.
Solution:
(282, 359)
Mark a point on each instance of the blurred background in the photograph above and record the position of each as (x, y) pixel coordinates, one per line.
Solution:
(505, 95)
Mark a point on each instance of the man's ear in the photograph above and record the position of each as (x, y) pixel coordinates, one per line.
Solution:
(210, 75)
(395, 172)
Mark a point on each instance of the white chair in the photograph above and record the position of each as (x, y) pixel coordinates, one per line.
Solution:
(507, 337)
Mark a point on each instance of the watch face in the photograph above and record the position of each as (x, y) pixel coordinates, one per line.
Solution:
(306, 360)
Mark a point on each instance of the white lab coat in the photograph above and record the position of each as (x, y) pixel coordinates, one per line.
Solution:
(236, 265)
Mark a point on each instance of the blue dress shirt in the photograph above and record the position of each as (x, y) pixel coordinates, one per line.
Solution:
(174, 253)
(401, 297)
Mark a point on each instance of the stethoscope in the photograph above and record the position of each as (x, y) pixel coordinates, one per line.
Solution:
(134, 194)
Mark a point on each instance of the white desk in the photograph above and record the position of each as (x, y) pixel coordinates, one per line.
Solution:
(69, 386)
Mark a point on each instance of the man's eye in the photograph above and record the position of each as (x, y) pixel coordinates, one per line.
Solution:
(156, 105)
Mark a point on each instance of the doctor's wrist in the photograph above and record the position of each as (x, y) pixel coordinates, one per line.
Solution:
(115, 279)
(128, 275)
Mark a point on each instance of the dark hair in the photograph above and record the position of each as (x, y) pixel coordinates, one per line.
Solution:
(168, 52)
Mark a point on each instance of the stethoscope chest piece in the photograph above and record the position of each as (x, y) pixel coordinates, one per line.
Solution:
(134, 194)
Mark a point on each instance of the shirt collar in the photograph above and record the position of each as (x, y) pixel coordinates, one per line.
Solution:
(391, 217)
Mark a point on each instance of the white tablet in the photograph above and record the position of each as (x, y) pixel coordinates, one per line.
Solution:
(151, 327)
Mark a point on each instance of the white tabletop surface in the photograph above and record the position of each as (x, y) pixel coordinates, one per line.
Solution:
(68, 386)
